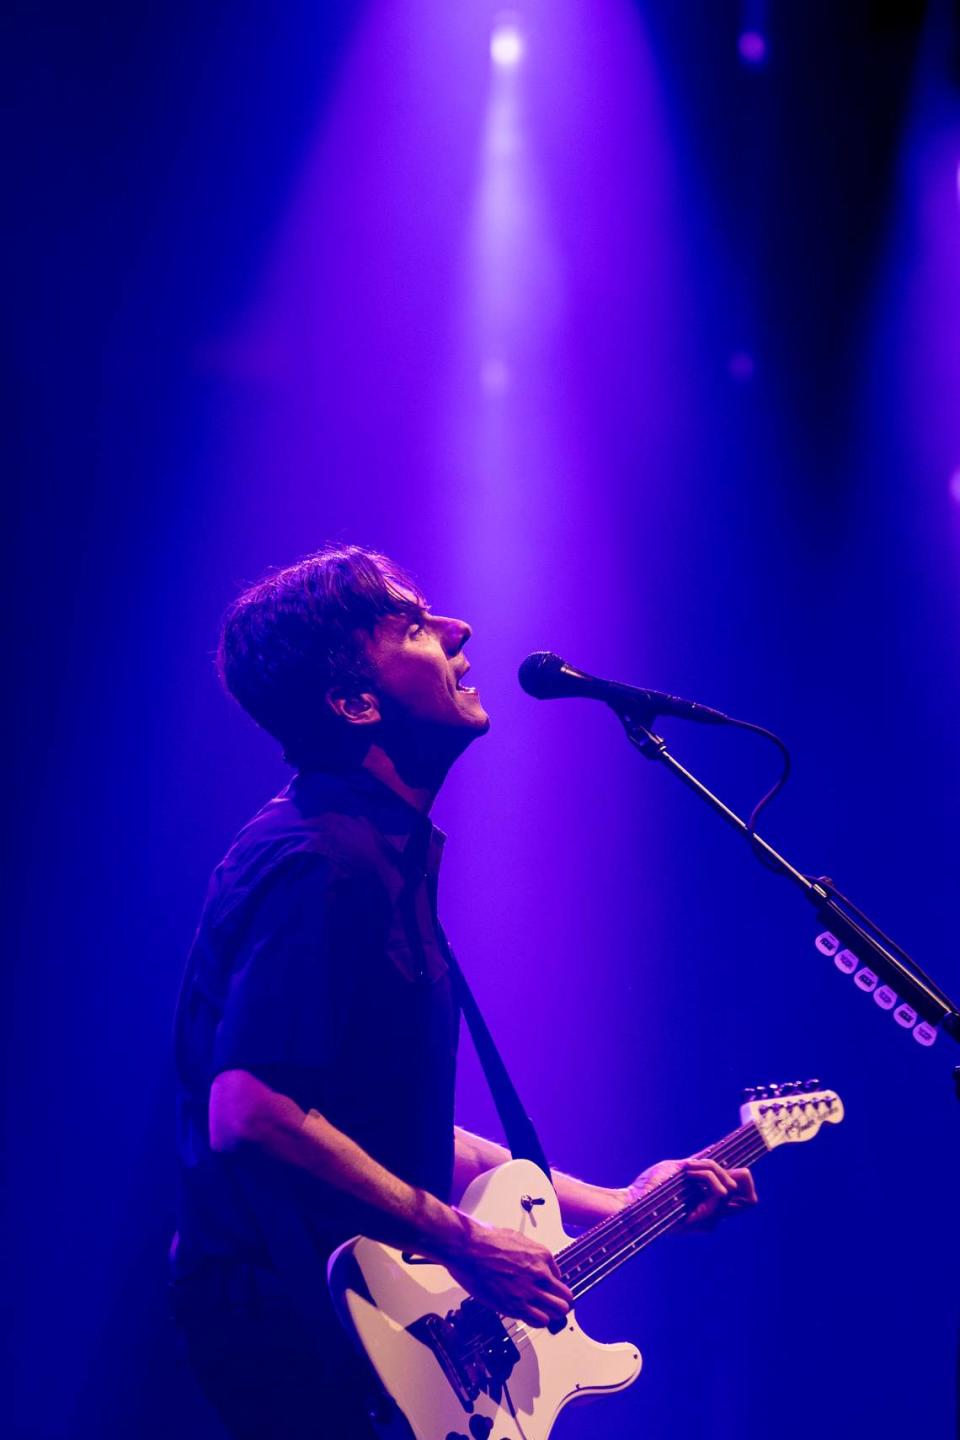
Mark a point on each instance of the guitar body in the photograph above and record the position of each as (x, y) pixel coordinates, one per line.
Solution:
(451, 1369)
(479, 1379)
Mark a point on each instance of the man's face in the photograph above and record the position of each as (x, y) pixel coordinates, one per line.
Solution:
(419, 669)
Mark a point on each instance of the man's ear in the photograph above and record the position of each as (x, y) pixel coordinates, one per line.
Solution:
(361, 709)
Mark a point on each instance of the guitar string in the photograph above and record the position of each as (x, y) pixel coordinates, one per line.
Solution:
(667, 1193)
(740, 1143)
(677, 1206)
(519, 1332)
(744, 1141)
(586, 1243)
(734, 1148)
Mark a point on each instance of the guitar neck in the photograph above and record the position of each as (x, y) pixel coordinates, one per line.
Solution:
(604, 1248)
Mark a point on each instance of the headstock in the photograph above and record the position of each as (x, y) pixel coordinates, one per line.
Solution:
(790, 1112)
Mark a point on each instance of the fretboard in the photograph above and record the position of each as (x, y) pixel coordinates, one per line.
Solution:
(604, 1248)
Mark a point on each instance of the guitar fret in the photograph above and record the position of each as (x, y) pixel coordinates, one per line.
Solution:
(623, 1235)
(475, 1351)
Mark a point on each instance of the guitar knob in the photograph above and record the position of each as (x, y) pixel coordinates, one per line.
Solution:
(750, 1093)
(812, 1085)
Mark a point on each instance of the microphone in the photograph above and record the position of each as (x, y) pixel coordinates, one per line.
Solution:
(546, 677)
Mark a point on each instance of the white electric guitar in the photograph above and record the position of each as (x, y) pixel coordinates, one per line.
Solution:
(450, 1368)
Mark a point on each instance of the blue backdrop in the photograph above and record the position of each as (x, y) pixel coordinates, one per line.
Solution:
(633, 350)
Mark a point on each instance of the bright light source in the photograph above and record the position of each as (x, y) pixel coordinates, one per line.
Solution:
(506, 44)
(753, 47)
(955, 486)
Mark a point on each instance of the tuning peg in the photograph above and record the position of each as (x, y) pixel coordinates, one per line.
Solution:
(773, 1089)
(812, 1085)
(749, 1094)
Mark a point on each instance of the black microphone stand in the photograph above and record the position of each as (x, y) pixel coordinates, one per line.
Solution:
(855, 929)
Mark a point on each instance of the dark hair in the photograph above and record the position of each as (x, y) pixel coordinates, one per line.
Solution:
(298, 631)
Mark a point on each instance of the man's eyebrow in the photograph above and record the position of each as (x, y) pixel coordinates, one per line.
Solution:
(412, 610)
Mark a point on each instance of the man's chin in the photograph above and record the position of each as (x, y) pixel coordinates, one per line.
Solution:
(471, 714)
(473, 724)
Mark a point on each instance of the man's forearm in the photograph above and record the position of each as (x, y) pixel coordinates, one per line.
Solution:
(580, 1202)
(246, 1113)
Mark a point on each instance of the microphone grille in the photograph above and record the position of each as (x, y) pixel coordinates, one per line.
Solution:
(539, 673)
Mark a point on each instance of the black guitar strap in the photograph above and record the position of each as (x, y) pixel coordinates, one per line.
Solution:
(522, 1138)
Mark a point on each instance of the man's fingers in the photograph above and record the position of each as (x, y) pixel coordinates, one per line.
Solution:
(721, 1189)
(549, 1306)
(746, 1189)
(709, 1174)
(733, 1181)
(727, 1190)
(564, 1295)
(553, 1282)
(556, 1292)
(554, 1267)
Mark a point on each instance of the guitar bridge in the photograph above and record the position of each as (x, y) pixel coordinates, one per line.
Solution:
(472, 1348)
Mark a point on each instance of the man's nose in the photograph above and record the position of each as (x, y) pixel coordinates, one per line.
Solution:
(458, 632)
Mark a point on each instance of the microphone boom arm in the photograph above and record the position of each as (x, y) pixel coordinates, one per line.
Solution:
(897, 970)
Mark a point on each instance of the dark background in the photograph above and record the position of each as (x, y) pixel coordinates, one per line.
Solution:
(233, 300)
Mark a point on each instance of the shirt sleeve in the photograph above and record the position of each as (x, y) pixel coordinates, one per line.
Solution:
(285, 996)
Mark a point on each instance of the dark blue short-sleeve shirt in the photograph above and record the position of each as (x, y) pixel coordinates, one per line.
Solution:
(319, 966)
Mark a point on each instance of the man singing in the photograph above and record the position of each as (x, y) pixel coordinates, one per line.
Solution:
(317, 1026)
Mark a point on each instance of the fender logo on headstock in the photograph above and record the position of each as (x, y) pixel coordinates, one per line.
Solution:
(791, 1111)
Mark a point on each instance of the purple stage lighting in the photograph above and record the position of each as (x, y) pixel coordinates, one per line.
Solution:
(495, 376)
(752, 47)
(506, 43)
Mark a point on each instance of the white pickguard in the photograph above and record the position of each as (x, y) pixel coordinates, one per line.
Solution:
(552, 1370)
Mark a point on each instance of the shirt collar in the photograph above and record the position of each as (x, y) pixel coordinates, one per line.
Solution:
(406, 829)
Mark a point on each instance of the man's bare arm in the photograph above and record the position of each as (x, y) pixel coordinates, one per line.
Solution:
(580, 1202)
(585, 1204)
(518, 1276)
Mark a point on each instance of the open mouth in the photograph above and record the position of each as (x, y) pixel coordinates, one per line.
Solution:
(465, 689)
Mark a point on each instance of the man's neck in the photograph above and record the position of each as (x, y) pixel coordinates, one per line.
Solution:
(419, 792)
